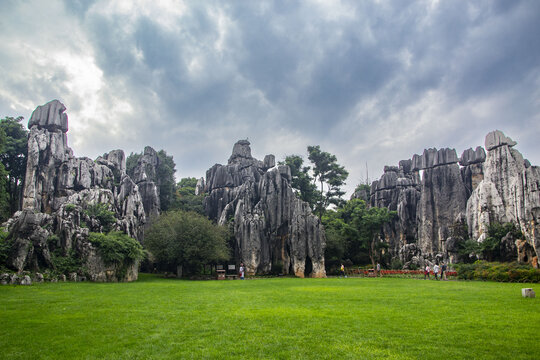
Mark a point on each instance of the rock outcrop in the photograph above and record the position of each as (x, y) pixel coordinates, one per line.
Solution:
(398, 190)
(58, 188)
(452, 203)
(443, 199)
(274, 230)
(509, 192)
(145, 176)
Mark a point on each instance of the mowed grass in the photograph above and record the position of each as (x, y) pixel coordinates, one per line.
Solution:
(284, 318)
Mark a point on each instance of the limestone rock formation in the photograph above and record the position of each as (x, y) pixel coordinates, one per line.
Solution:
(435, 212)
(59, 187)
(443, 198)
(145, 176)
(472, 170)
(398, 190)
(509, 192)
(273, 229)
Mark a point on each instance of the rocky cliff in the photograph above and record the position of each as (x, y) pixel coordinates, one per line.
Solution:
(58, 191)
(438, 197)
(273, 229)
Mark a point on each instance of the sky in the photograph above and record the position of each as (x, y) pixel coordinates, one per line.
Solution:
(372, 82)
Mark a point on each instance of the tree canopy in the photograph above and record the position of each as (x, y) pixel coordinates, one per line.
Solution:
(327, 171)
(13, 151)
(185, 196)
(354, 230)
(302, 181)
(186, 239)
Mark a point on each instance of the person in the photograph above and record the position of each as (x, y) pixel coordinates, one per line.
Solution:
(427, 269)
(242, 270)
(436, 271)
(342, 270)
(379, 270)
(443, 271)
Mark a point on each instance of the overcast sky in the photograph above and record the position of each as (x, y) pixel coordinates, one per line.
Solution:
(369, 81)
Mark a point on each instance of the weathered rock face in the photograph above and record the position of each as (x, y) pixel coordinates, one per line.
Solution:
(398, 190)
(59, 187)
(443, 198)
(509, 192)
(145, 176)
(436, 212)
(472, 170)
(273, 229)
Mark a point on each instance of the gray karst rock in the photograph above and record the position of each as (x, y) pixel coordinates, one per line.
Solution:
(199, 188)
(274, 230)
(451, 204)
(145, 176)
(58, 188)
(443, 198)
(509, 192)
(472, 170)
(398, 190)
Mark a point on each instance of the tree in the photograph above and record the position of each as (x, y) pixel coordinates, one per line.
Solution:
(186, 199)
(186, 240)
(359, 228)
(327, 172)
(301, 180)
(4, 193)
(13, 157)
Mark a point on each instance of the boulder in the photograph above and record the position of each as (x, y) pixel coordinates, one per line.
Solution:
(528, 292)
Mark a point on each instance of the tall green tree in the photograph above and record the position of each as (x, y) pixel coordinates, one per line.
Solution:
(330, 175)
(13, 158)
(301, 180)
(188, 240)
(186, 199)
(359, 228)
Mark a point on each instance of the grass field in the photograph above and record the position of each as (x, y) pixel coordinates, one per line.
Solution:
(285, 318)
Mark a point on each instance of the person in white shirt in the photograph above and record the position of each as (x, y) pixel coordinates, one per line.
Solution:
(436, 271)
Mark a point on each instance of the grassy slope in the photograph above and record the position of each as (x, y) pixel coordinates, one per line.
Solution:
(270, 318)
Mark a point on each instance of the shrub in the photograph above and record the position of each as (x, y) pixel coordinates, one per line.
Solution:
(101, 213)
(65, 264)
(503, 272)
(5, 246)
(116, 248)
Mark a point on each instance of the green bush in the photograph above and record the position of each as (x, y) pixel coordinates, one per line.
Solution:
(5, 247)
(101, 213)
(116, 248)
(502, 272)
(65, 263)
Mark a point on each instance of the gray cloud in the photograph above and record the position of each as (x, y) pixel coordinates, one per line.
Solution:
(371, 82)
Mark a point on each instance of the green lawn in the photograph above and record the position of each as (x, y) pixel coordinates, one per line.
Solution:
(334, 318)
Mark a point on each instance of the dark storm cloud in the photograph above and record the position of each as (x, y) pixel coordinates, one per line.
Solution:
(374, 81)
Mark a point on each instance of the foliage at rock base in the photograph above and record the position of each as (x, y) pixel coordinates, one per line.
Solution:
(502, 272)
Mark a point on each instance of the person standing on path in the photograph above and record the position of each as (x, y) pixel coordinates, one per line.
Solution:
(379, 270)
(436, 271)
(242, 270)
(342, 270)
(443, 271)
(427, 269)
